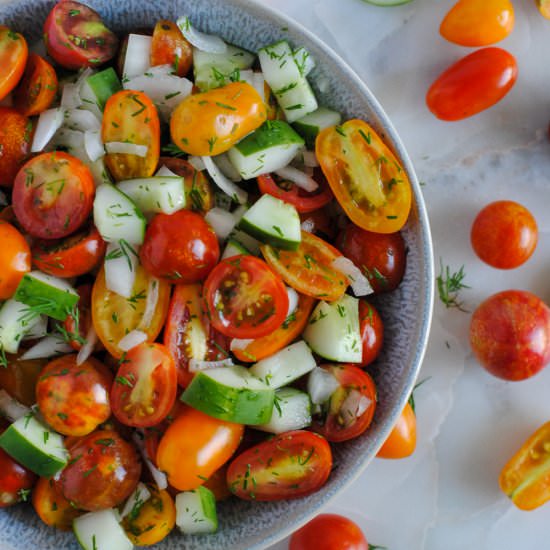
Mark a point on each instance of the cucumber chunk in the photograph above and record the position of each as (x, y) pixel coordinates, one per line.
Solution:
(35, 446)
(101, 531)
(234, 248)
(273, 222)
(333, 330)
(232, 394)
(165, 194)
(16, 321)
(196, 511)
(250, 243)
(310, 125)
(103, 85)
(292, 411)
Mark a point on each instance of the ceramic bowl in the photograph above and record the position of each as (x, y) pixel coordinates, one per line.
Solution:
(406, 312)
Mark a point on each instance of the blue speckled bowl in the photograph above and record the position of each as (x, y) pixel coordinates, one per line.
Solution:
(406, 312)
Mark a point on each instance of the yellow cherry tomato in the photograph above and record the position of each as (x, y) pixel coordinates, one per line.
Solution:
(544, 7)
(212, 122)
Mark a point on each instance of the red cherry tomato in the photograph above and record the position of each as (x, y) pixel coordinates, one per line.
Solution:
(504, 234)
(244, 298)
(372, 332)
(53, 195)
(15, 143)
(351, 407)
(76, 37)
(290, 465)
(14, 259)
(102, 472)
(180, 247)
(320, 223)
(15, 480)
(145, 386)
(78, 324)
(473, 84)
(510, 334)
(169, 47)
(13, 56)
(381, 257)
(402, 439)
(329, 532)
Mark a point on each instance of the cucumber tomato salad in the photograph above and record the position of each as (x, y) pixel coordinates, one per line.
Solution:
(187, 241)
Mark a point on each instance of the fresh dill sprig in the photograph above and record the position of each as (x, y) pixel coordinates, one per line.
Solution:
(173, 150)
(449, 285)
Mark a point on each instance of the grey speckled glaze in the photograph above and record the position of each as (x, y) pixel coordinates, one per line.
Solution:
(406, 312)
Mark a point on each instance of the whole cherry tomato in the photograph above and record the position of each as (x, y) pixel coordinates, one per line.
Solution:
(13, 56)
(78, 323)
(371, 329)
(15, 481)
(15, 143)
(14, 259)
(504, 234)
(510, 334)
(473, 84)
(19, 378)
(169, 47)
(544, 8)
(52, 507)
(402, 439)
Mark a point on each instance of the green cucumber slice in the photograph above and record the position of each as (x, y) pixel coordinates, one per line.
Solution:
(234, 248)
(101, 531)
(274, 222)
(232, 394)
(16, 320)
(310, 125)
(158, 194)
(250, 243)
(292, 411)
(103, 85)
(35, 446)
(196, 511)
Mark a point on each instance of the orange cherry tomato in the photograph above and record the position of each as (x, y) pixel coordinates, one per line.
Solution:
(365, 176)
(52, 507)
(526, 477)
(37, 89)
(473, 84)
(544, 8)
(14, 259)
(13, 57)
(131, 117)
(402, 439)
(169, 47)
(195, 446)
(15, 143)
(212, 122)
(478, 23)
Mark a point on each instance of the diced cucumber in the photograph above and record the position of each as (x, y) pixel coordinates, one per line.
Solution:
(117, 217)
(234, 248)
(196, 511)
(35, 446)
(250, 243)
(292, 411)
(271, 147)
(232, 394)
(16, 320)
(273, 222)
(285, 366)
(103, 85)
(305, 62)
(287, 79)
(155, 194)
(310, 125)
(101, 531)
(213, 70)
(47, 295)
(333, 330)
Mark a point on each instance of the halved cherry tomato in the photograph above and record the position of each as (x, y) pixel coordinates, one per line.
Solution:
(303, 202)
(169, 47)
(217, 483)
(13, 57)
(211, 122)
(14, 259)
(188, 333)
(195, 446)
(292, 327)
(321, 223)
(37, 89)
(74, 256)
(351, 407)
(473, 84)
(145, 386)
(15, 143)
(180, 247)
(198, 191)
(371, 329)
(19, 378)
(290, 465)
(402, 439)
(53, 195)
(115, 316)
(76, 37)
(131, 117)
(244, 298)
(309, 269)
(74, 399)
(475, 23)
(52, 507)
(365, 176)
(78, 322)
(102, 472)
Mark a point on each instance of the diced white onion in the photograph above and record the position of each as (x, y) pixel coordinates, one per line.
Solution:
(88, 347)
(359, 283)
(225, 184)
(308, 225)
(121, 260)
(240, 211)
(226, 167)
(222, 222)
(246, 75)
(79, 119)
(197, 163)
(292, 300)
(138, 55)
(132, 339)
(299, 178)
(138, 497)
(150, 303)
(258, 81)
(47, 347)
(323, 84)
(38, 330)
(321, 384)
(93, 144)
(48, 123)
(120, 147)
(158, 477)
(354, 406)
(240, 343)
(163, 171)
(70, 97)
(10, 408)
(195, 365)
(310, 159)
(205, 42)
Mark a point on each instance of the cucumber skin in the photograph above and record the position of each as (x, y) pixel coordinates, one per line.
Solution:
(270, 134)
(104, 84)
(208, 503)
(273, 240)
(241, 406)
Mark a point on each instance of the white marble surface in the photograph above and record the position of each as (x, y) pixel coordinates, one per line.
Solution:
(446, 496)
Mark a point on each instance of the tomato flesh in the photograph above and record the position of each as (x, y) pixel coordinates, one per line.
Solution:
(15, 143)
(13, 57)
(371, 329)
(37, 89)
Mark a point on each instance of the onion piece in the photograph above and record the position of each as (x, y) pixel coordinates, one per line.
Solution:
(354, 405)
(38, 330)
(359, 283)
(205, 42)
(150, 303)
(88, 347)
(321, 384)
(301, 179)
(225, 184)
(163, 171)
(48, 123)
(258, 81)
(138, 497)
(93, 145)
(292, 300)
(47, 347)
(308, 225)
(197, 163)
(240, 343)
(70, 97)
(79, 119)
(310, 159)
(195, 365)
(158, 477)
(132, 339)
(120, 147)
(10, 408)
(222, 222)
(226, 167)
(121, 260)
(138, 55)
